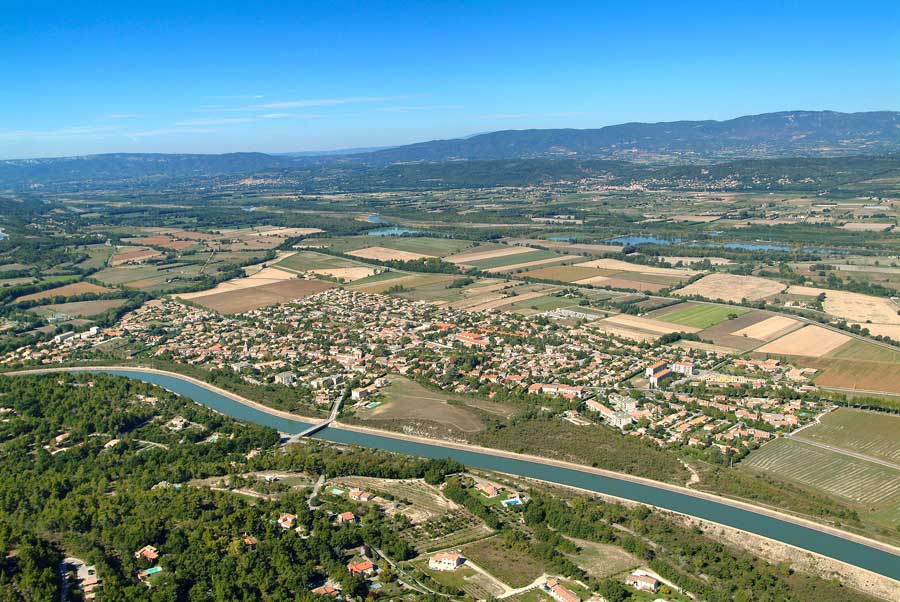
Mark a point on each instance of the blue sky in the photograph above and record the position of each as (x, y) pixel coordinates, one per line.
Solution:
(89, 77)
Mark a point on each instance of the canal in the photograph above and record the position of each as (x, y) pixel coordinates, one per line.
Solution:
(851, 552)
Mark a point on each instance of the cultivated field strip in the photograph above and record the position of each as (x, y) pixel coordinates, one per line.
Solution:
(846, 477)
(870, 433)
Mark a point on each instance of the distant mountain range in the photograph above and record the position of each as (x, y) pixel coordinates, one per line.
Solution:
(786, 134)
(814, 134)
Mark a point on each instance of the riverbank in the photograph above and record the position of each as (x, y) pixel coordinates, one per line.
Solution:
(762, 510)
(874, 558)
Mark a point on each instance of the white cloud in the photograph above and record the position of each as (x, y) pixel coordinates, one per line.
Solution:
(223, 121)
(411, 108)
(68, 132)
(170, 131)
(327, 102)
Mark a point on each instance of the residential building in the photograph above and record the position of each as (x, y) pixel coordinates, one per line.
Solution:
(446, 561)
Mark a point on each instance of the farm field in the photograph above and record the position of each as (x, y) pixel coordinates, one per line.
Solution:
(508, 262)
(564, 273)
(419, 245)
(854, 307)
(729, 287)
(874, 434)
(347, 274)
(267, 275)
(539, 304)
(136, 254)
(873, 488)
(68, 290)
(699, 315)
(425, 501)
(514, 568)
(624, 266)
(80, 309)
(647, 324)
(386, 254)
(602, 560)
(864, 351)
(769, 329)
(407, 400)
(304, 261)
(485, 252)
(860, 375)
(241, 300)
(811, 341)
(376, 283)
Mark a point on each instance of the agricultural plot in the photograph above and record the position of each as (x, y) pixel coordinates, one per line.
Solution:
(769, 329)
(539, 304)
(512, 567)
(486, 252)
(857, 349)
(517, 261)
(68, 290)
(429, 287)
(80, 309)
(858, 375)
(699, 315)
(854, 307)
(811, 341)
(346, 274)
(564, 273)
(304, 261)
(647, 324)
(241, 300)
(729, 287)
(379, 283)
(866, 484)
(407, 400)
(873, 434)
(133, 255)
(617, 265)
(602, 560)
(422, 246)
(386, 254)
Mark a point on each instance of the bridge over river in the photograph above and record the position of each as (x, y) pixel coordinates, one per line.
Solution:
(846, 547)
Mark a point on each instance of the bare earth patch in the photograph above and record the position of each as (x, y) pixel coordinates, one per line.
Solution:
(811, 341)
(623, 266)
(385, 254)
(853, 306)
(69, 290)
(346, 274)
(768, 329)
(729, 287)
(866, 227)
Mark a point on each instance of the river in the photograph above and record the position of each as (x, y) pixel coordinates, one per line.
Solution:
(852, 552)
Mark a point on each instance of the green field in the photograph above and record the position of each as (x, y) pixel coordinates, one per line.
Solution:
(862, 350)
(873, 488)
(700, 315)
(874, 434)
(498, 262)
